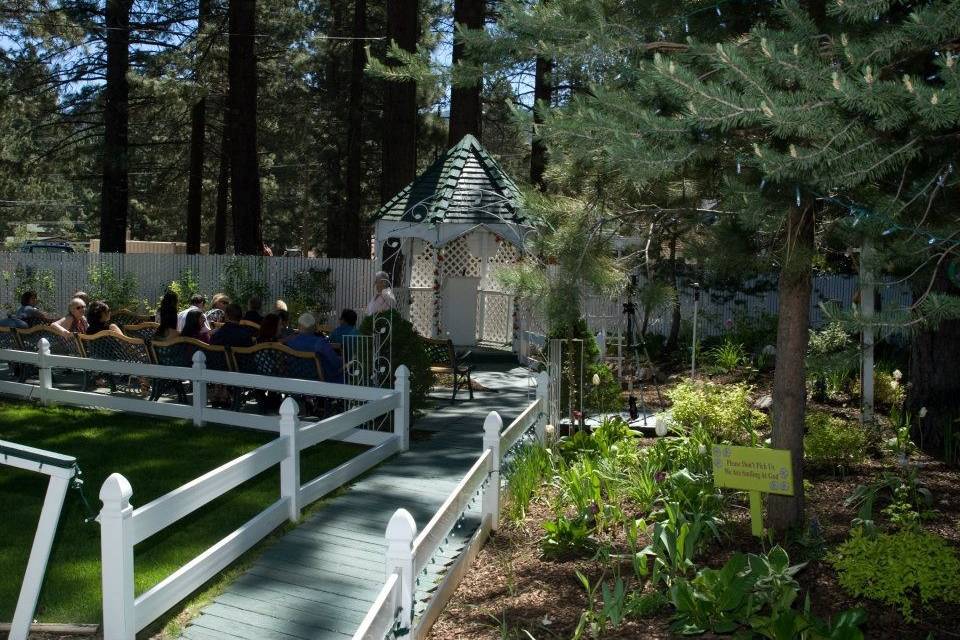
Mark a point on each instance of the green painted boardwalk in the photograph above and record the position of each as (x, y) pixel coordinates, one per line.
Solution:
(320, 579)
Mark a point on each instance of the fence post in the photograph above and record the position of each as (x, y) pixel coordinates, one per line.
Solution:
(116, 556)
(199, 388)
(401, 532)
(543, 395)
(401, 415)
(492, 427)
(45, 375)
(290, 466)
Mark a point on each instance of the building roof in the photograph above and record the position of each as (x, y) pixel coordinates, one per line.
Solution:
(465, 185)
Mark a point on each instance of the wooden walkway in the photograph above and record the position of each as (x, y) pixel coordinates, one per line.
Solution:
(319, 580)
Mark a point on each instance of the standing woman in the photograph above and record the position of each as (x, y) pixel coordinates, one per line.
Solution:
(74, 321)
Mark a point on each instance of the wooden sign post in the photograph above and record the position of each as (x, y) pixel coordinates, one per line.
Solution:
(755, 470)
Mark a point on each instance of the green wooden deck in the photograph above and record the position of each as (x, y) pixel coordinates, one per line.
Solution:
(319, 580)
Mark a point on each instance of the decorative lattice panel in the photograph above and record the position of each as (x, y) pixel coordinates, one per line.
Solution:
(458, 260)
(505, 254)
(421, 311)
(421, 273)
(497, 318)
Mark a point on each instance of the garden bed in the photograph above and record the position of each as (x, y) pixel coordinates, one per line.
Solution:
(514, 591)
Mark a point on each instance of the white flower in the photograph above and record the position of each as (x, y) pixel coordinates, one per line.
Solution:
(923, 412)
(596, 379)
(894, 384)
(702, 449)
(896, 374)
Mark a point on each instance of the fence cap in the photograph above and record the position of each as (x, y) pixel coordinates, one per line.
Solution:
(493, 423)
(402, 527)
(116, 488)
(199, 357)
(403, 372)
(289, 407)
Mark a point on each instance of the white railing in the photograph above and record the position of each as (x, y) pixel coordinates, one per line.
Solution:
(122, 526)
(198, 375)
(408, 553)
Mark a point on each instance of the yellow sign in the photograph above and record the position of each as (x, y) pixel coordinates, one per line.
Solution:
(753, 469)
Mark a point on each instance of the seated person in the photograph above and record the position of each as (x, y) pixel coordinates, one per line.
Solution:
(98, 319)
(83, 295)
(306, 340)
(193, 326)
(74, 321)
(197, 303)
(269, 328)
(232, 334)
(218, 306)
(167, 317)
(347, 327)
(253, 310)
(285, 330)
(28, 311)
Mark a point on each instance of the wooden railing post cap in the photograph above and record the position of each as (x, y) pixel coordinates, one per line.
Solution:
(289, 408)
(43, 346)
(493, 423)
(402, 527)
(116, 489)
(199, 357)
(402, 372)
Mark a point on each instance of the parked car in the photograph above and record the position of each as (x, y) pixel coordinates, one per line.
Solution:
(46, 246)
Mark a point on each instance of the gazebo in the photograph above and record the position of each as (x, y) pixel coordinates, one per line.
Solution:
(444, 236)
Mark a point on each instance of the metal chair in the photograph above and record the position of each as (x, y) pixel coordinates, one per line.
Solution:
(275, 360)
(107, 345)
(143, 330)
(123, 317)
(10, 340)
(444, 360)
(60, 345)
(179, 352)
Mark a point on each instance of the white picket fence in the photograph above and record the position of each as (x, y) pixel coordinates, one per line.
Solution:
(154, 272)
(122, 526)
(408, 553)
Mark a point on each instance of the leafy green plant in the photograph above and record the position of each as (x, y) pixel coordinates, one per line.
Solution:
(674, 544)
(833, 442)
(310, 290)
(603, 397)
(723, 410)
(567, 537)
(831, 360)
(27, 278)
(243, 278)
(728, 356)
(185, 286)
(905, 486)
(528, 469)
(405, 346)
(695, 496)
(645, 605)
(901, 569)
(120, 291)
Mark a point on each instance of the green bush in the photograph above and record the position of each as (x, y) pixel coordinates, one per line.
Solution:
(525, 473)
(887, 389)
(120, 291)
(833, 442)
(241, 282)
(311, 290)
(184, 286)
(727, 356)
(723, 410)
(31, 279)
(603, 397)
(899, 569)
(566, 537)
(406, 347)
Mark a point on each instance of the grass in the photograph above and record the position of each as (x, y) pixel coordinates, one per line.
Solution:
(156, 456)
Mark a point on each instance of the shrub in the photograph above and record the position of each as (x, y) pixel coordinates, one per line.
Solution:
(723, 410)
(31, 279)
(241, 281)
(406, 347)
(899, 569)
(833, 442)
(184, 286)
(120, 291)
(603, 397)
(311, 290)
(727, 356)
(567, 537)
(887, 389)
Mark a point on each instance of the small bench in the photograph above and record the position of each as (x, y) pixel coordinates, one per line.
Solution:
(445, 361)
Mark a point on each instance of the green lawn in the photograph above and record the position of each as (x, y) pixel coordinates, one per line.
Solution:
(156, 456)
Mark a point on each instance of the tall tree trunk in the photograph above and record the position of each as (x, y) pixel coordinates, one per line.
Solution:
(198, 132)
(355, 245)
(542, 96)
(934, 354)
(673, 338)
(333, 169)
(242, 98)
(465, 101)
(115, 188)
(399, 162)
(223, 192)
(789, 377)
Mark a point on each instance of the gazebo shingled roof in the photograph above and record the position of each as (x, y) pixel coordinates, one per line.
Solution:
(464, 185)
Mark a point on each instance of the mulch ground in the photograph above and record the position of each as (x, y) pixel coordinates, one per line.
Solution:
(512, 592)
